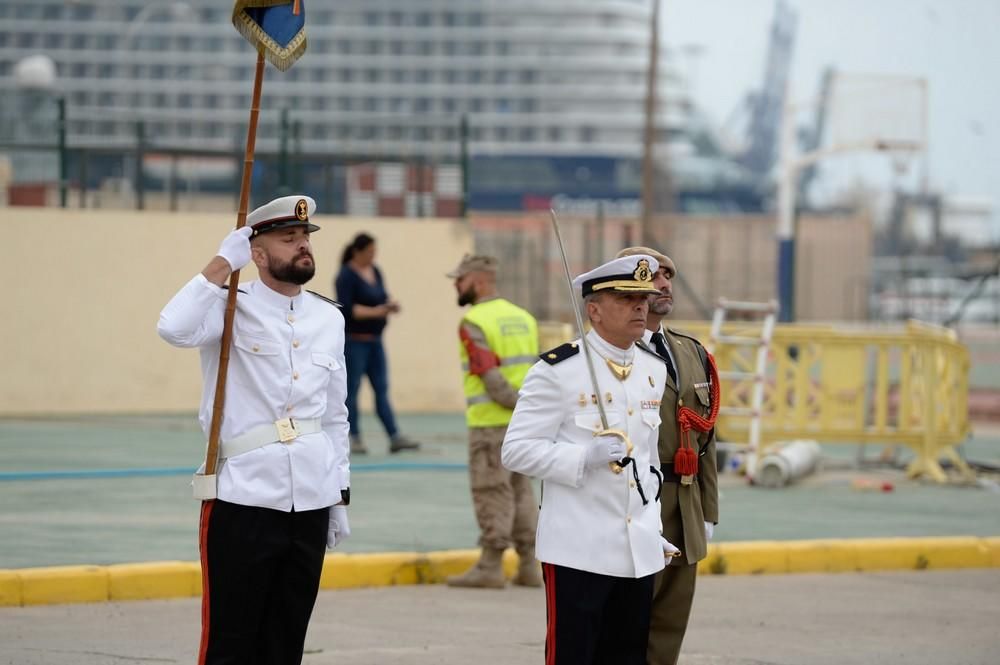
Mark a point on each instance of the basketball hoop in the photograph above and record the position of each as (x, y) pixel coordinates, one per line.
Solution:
(901, 154)
(900, 162)
(886, 112)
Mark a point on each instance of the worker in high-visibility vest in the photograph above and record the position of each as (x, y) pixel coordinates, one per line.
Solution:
(498, 345)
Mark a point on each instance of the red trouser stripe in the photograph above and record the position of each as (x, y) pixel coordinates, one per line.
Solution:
(550, 607)
(206, 513)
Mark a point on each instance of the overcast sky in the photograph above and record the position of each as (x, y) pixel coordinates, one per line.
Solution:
(953, 44)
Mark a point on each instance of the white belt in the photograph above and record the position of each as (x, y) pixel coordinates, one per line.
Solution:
(285, 430)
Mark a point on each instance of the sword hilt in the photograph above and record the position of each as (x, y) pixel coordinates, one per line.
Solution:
(618, 467)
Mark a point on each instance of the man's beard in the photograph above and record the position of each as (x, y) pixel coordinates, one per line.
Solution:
(661, 308)
(291, 272)
(467, 297)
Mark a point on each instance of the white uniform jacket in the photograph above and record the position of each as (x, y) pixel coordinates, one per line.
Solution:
(287, 360)
(591, 518)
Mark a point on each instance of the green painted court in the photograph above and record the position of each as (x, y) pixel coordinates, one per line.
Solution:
(100, 490)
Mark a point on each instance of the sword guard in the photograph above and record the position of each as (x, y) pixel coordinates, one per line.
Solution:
(618, 467)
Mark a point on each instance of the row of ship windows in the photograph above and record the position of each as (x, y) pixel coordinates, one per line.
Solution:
(423, 105)
(155, 131)
(126, 74)
(319, 74)
(175, 40)
(81, 11)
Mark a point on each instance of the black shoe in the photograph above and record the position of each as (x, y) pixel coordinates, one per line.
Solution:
(400, 443)
(358, 446)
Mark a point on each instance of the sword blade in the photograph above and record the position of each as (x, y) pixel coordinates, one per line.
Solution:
(579, 321)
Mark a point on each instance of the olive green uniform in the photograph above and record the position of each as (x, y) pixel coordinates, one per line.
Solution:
(684, 509)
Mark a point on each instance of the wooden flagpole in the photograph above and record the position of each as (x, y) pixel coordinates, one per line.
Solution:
(212, 454)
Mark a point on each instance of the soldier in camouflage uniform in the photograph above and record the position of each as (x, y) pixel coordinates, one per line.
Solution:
(498, 344)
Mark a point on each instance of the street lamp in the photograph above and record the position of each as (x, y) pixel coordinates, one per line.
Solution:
(36, 76)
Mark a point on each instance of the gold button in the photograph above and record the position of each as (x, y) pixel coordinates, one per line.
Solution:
(552, 355)
(291, 319)
(295, 376)
(256, 348)
(630, 411)
(632, 484)
(295, 343)
(680, 402)
(628, 520)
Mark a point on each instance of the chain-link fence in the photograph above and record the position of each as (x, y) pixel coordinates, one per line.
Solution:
(54, 153)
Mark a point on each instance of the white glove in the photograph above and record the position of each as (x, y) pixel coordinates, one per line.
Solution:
(235, 248)
(709, 530)
(605, 449)
(339, 529)
(669, 550)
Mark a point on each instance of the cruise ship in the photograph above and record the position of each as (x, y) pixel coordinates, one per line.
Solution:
(553, 91)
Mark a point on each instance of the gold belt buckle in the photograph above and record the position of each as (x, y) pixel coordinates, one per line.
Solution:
(286, 430)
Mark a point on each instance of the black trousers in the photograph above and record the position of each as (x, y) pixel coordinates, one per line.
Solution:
(595, 619)
(260, 575)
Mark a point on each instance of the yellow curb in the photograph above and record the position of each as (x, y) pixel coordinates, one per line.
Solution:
(923, 553)
(145, 581)
(822, 556)
(993, 545)
(749, 558)
(351, 571)
(63, 584)
(180, 579)
(10, 588)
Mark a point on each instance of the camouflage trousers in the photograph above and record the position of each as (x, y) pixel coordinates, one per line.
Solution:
(504, 501)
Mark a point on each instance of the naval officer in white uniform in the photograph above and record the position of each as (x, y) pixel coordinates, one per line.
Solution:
(284, 479)
(598, 531)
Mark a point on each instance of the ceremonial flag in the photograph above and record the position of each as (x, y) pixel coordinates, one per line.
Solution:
(276, 28)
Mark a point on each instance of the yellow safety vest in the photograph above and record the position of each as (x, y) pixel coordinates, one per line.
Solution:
(512, 334)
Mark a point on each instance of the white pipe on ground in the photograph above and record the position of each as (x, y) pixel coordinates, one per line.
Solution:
(788, 463)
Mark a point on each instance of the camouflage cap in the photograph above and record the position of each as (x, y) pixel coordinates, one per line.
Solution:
(473, 263)
(662, 259)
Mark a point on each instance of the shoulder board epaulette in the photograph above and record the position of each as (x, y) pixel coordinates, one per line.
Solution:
(681, 334)
(329, 300)
(560, 353)
(642, 345)
(225, 287)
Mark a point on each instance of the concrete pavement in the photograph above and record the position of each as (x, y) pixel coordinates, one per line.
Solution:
(912, 618)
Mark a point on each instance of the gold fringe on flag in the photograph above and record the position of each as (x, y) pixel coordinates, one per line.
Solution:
(282, 57)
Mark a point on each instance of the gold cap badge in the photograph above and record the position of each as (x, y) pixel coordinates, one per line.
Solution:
(301, 210)
(642, 272)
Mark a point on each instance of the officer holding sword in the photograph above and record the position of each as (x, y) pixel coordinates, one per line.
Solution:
(586, 424)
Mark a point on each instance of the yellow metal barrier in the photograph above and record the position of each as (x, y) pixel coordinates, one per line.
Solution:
(831, 384)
